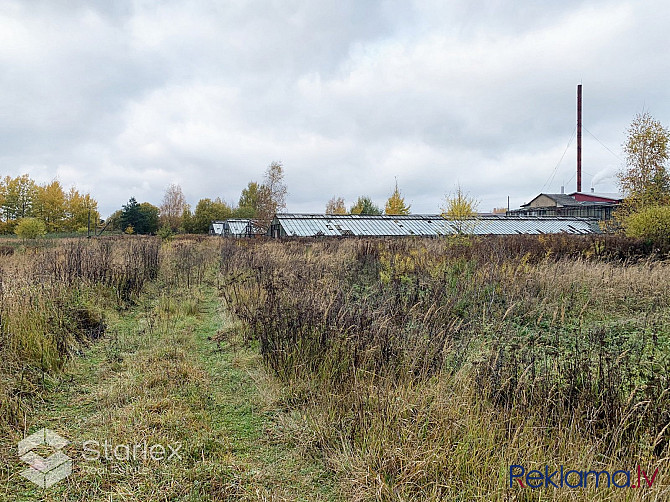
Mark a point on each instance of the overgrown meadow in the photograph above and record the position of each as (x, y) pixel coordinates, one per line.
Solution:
(413, 369)
(423, 369)
(52, 304)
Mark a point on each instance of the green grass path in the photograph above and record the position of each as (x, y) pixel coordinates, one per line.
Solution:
(157, 379)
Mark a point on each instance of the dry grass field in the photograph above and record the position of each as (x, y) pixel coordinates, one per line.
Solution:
(413, 369)
(424, 369)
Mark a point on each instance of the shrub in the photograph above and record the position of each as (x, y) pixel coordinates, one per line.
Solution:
(30, 228)
(165, 233)
(651, 224)
(7, 227)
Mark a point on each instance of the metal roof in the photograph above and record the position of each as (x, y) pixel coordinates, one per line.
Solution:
(238, 226)
(232, 226)
(602, 195)
(313, 225)
(559, 198)
(216, 228)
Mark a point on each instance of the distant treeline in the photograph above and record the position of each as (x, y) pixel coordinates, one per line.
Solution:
(258, 202)
(59, 210)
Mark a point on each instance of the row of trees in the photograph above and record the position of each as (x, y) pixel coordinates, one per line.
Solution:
(644, 181)
(364, 205)
(58, 210)
(258, 202)
(458, 205)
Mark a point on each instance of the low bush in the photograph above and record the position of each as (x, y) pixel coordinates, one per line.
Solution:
(651, 224)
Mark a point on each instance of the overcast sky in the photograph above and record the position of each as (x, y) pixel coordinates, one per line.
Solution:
(123, 98)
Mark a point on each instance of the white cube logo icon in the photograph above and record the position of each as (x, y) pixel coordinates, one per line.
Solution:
(45, 472)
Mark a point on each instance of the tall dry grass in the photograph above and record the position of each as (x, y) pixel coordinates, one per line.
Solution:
(422, 369)
(53, 302)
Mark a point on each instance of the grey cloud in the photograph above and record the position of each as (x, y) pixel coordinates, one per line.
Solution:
(127, 97)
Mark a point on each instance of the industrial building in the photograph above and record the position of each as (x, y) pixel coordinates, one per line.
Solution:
(578, 204)
(355, 225)
(600, 206)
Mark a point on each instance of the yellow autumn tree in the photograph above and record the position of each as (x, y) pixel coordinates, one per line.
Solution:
(645, 180)
(59, 211)
(462, 210)
(78, 209)
(49, 205)
(336, 206)
(396, 203)
(19, 196)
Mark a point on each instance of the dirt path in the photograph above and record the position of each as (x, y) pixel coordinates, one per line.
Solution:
(155, 411)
